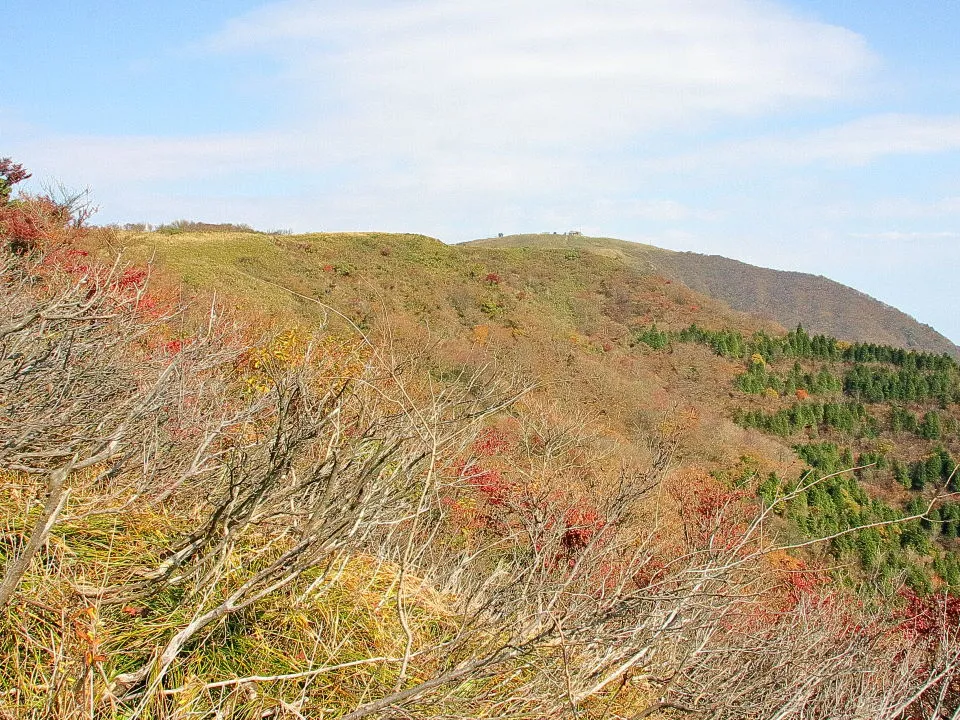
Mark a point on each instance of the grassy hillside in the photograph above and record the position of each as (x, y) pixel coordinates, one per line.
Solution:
(372, 475)
(561, 317)
(625, 349)
(789, 298)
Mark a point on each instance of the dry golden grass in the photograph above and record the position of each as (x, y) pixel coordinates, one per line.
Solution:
(58, 648)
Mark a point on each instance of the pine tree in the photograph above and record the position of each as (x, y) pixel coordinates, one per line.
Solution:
(929, 428)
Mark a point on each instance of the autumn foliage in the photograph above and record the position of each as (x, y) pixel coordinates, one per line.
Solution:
(204, 519)
(11, 174)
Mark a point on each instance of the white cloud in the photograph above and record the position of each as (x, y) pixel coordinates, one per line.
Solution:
(479, 106)
(490, 73)
(655, 210)
(869, 138)
(854, 143)
(908, 208)
(907, 236)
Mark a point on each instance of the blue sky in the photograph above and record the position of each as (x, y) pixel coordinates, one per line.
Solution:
(817, 135)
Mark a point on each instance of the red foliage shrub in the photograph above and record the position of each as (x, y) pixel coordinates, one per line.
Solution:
(582, 523)
(805, 583)
(158, 303)
(712, 513)
(492, 279)
(73, 261)
(801, 394)
(22, 230)
(28, 222)
(11, 173)
(131, 279)
(931, 622)
(925, 617)
(490, 484)
(491, 443)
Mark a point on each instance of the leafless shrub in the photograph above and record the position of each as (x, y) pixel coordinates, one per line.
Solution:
(561, 584)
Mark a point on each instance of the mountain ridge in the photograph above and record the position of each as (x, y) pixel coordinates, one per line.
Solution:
(787, 297)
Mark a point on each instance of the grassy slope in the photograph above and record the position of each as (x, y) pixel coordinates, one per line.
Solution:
(547, 313)
(820, 304)
(563, 316)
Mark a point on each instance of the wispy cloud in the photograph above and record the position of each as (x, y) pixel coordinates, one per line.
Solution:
(909, 237)
(906, 208)
(484, 104)
(855, 143)
(543, 70)
(660, 210)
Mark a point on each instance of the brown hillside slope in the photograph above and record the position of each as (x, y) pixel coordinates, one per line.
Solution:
(562, 318)
(610, 434)
(789, 298)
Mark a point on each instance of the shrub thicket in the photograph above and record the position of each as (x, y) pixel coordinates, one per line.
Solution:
(201, 521)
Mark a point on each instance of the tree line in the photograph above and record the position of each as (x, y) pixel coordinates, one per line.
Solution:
(758, 378)
(847, 417)
(794, 344)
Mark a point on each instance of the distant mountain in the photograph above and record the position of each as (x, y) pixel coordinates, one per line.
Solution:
(788, 298)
